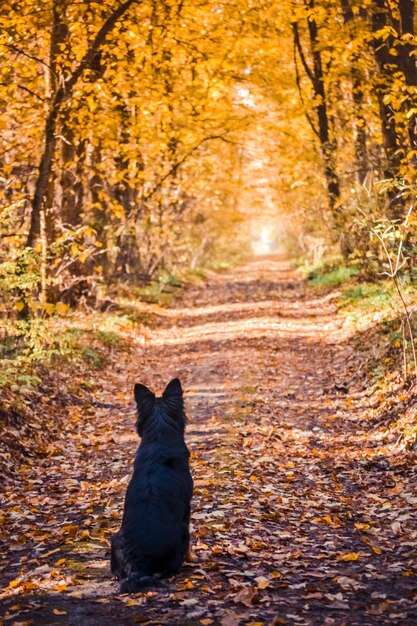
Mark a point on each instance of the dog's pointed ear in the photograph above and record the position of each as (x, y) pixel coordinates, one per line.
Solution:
(174, 401)
(144, 398)
(173, 389)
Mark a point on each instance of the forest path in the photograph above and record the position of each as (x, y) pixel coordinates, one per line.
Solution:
(300, 516)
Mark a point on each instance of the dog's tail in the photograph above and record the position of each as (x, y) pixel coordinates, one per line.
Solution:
(137, 582)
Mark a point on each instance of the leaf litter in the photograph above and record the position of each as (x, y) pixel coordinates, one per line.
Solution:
(304, 513)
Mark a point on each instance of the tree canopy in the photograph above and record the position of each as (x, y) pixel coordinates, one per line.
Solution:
(134, 132)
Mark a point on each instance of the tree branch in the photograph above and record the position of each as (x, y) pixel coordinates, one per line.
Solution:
(95, 46)
(300, 91)
(32, 93)
(178, 164)
(300, 50)
(26, 54)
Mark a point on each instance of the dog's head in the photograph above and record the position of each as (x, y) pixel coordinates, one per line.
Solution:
(168, 409)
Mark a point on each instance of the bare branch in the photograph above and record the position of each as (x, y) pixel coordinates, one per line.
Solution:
(26, 54)
(32, 93)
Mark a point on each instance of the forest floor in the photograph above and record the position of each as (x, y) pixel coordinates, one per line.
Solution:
(304, 512)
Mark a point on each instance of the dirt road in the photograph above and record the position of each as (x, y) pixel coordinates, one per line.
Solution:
(303, 514)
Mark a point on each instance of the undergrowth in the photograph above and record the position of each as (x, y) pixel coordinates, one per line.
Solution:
(48, 344)
(373, 310)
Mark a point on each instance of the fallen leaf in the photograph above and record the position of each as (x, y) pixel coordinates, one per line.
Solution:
(348, 556)
(263, 582)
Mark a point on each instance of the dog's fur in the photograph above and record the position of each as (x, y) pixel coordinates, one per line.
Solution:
(154, 537)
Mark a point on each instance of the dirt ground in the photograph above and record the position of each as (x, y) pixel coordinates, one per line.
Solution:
(303, 514)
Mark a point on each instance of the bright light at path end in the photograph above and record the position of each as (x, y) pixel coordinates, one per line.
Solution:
(264, 238)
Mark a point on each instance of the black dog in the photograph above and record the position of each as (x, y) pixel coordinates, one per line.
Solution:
(154, 538)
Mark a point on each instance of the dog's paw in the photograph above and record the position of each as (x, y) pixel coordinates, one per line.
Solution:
(191, 556)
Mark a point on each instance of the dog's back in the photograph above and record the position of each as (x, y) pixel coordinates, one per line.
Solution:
(154, 537)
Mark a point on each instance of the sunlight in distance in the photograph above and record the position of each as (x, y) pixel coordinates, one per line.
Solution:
(264, 239)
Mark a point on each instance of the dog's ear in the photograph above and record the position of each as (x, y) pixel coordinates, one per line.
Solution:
(173, 390)
(144, 398)
(174, 401)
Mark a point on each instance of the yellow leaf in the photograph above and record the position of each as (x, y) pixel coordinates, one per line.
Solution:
(376, 549)
(61, 308)
(58, 612)
(48, 307)
(20, 305)
(360, 526)
(348, 556)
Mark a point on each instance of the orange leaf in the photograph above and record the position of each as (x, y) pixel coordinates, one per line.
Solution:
(14, 583)
(263, 582)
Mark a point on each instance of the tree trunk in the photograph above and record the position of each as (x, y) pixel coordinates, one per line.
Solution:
(326, 143)
(43, 197)
(407, 60)
(42, 181)
(61, 95)
(71, 189)
(385, 63)
(357, 80)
